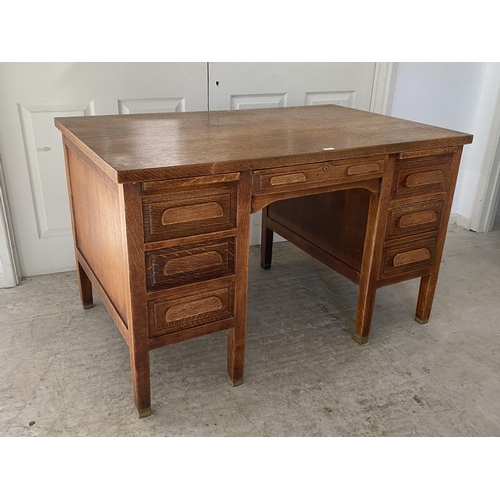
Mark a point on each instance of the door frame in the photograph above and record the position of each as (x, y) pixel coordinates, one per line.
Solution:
(488, 152)
(384, 81)
(11, 275)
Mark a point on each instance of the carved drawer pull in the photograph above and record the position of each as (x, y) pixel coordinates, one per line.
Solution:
(363, 169)
(189, 213)
(425, 178)
(194, 308)
(280, 180)
(192, 262)
(402, 259)
(417, 218)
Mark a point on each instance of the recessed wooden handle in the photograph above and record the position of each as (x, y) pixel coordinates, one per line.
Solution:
(189, 213)
(365, 168)
(402, 259)
(425, 178)
(280, 180)
(192, 262)
(193, 308)
(417, 218)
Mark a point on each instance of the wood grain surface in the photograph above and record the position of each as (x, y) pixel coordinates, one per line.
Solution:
(173, 145)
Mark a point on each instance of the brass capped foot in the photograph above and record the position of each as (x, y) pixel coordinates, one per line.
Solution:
(421, 321)
(360, 340)
(88, 306)
(144, 413)
(235, 383)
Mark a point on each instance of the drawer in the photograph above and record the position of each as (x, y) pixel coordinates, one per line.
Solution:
(421, 176)
(176, 215)
(414, 218)
(189, 264)
(411, 257)
(317, 174)
(182, 312)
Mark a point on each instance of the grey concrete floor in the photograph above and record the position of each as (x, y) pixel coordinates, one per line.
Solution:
(65, 371)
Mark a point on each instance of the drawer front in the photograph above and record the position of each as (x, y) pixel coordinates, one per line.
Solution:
(189, 264)
(408, 258)
(414, 218)
(177, 215)
(317, 174)
(421, 176)
(180, 313)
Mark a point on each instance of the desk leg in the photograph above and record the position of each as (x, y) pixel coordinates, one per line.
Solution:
(235, 355)
(372, 257)
(266, 243)
(369, 269)
(364, 312)
(428, 283)
(85, 286)
(140, 367)
(84, 283)
(425, 298)
(236, 335)
(137, 314)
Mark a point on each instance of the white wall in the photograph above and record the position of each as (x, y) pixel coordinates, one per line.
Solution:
(447, 95)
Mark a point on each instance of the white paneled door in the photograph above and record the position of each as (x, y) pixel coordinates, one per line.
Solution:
(32, 94)
(273, 85)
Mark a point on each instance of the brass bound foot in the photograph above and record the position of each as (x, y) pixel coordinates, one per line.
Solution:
(360, 340)
(235, 383)
(144, 413)
(422, 321)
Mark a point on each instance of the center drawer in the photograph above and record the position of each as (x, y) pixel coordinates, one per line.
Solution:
(311, 175)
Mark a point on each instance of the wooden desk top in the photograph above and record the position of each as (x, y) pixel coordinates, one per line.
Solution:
(170, 145)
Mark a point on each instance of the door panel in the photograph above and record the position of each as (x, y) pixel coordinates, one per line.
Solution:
(234, 85)
(43, 145)
(253, 101)
(31, 96)
(272, 85)
(161, 105)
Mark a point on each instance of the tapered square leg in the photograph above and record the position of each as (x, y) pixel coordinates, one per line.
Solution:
(236, 335)
(425, 298)
(266, 243)
(235, 356)
(140, 367)
(85, 286)
(364, 313)
(372, 259)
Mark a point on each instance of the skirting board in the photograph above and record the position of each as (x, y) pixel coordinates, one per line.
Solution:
(460, 220)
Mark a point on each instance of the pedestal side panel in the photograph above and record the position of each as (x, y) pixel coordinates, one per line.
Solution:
(99, 231)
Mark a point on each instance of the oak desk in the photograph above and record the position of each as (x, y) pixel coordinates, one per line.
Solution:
(161, 208)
